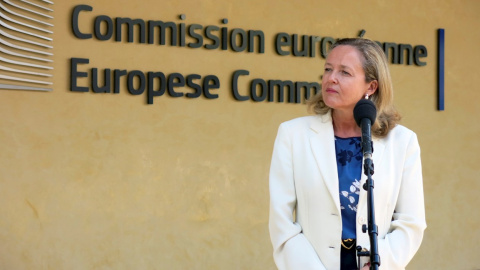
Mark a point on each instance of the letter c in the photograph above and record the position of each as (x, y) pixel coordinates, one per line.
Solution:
(236, 74)
(75, 29)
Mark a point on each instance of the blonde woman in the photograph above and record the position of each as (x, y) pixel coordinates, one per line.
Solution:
(317, 203)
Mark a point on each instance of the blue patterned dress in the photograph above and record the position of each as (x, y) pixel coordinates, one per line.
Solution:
(349, 167)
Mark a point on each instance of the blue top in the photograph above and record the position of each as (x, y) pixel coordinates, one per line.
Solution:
(349, 167)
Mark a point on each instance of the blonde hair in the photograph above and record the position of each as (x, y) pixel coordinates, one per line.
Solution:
(375, 66)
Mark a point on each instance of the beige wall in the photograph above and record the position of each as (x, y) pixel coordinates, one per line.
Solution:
(103, 181)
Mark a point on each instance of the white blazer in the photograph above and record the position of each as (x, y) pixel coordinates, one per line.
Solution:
(305, 222)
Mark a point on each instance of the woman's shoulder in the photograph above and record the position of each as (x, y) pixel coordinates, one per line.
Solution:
(400, 130)
(401, 133)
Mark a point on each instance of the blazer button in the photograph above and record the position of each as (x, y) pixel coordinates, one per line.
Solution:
(362, 220)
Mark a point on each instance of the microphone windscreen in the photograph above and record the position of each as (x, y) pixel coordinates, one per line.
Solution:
(364, 109)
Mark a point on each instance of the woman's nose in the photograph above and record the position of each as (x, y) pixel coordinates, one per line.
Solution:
(332, 77)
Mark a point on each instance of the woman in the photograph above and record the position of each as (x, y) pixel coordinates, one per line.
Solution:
(317, 205)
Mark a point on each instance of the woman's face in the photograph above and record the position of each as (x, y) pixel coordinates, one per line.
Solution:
(343, 82)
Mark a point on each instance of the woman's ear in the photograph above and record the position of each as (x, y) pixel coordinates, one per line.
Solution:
(372, 87)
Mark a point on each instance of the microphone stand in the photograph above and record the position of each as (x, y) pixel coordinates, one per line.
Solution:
(367, 148)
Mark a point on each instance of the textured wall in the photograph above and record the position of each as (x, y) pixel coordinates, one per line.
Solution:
(104, 181)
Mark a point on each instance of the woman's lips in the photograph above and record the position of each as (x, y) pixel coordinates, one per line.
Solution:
(331, 90)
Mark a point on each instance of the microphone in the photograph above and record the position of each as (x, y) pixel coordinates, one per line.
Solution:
(365, 113)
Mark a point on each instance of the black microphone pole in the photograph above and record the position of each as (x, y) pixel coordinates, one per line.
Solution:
(368, 186)
(365, 114)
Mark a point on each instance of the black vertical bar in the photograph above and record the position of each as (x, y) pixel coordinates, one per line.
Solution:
(441, 69)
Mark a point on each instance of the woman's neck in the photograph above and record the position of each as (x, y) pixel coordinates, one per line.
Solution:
(344, 125)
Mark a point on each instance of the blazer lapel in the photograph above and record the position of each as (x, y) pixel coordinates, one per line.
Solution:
(322, 143)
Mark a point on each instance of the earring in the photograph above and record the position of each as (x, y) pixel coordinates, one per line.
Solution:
(366, 96)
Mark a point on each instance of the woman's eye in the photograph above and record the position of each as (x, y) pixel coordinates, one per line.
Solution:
(327, 69)
(345, 72)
